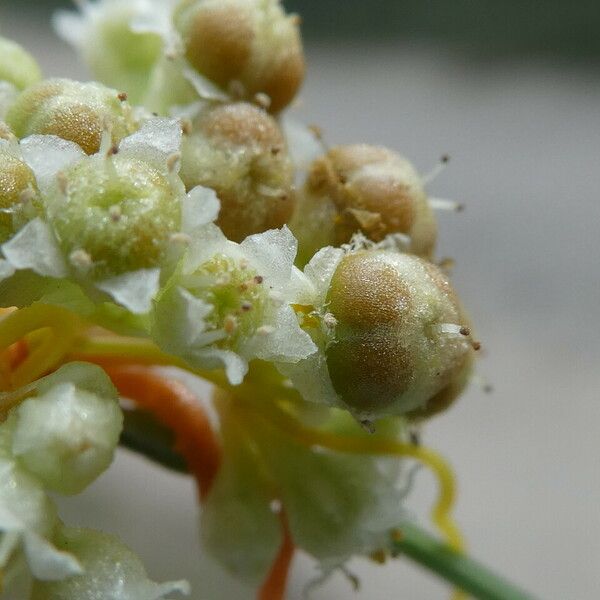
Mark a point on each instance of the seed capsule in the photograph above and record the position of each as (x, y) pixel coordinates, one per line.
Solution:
(362, 188)
(248, 47)
(397, 345)
(18, 190)
(239, 151)
(86, 200)
(78, 112)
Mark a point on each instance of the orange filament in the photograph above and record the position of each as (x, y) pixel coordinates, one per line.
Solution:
(274, 586)
(176, 407)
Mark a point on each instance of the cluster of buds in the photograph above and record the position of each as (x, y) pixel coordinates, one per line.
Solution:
(178, 219)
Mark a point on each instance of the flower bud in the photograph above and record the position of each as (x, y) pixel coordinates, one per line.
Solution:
(18, 191)
(111, 570)
(67, 436)
(17, 66)
(74, 111)
(400, 338)
(362, 188)
(113, 214)
(118, 54)
(246, 46)
(239, 151)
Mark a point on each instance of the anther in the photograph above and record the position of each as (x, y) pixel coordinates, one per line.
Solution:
(180, 238)
(122, 96)
(263, 100)
(172, 161)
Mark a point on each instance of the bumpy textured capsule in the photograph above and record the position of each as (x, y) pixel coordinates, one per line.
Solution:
(113, 214)
(74, 111)
(362, 188)
(18, 191)
(247, 46)
(17, 66)
(67, 436)
(239, 151)
(400, 339)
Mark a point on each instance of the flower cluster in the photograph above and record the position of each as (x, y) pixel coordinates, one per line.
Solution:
(169, 215)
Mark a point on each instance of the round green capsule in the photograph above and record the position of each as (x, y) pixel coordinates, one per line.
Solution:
(248, 47)
(239, 151)
(113, 214)
(366, 189)
(400, 337)
(74, 111)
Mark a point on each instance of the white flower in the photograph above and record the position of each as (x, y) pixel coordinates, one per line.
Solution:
(118, 249)
(229, 303)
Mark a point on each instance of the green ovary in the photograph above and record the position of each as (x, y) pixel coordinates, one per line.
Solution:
(237, 295)
(119, 212)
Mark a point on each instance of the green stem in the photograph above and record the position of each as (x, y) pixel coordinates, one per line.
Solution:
(464, 572)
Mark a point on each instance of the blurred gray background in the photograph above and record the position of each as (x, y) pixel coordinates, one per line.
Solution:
(511, 90)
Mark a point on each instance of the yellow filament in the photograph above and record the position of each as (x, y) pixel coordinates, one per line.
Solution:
(55, 332)
(440, 513)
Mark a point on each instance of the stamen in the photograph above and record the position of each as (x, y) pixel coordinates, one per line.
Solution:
(436, 171)
(59, 329)
(445, 204)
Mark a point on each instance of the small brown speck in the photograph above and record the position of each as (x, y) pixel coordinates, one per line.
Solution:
(476, 346)
(246, 306)
(465, 331)
(122, 96)
(113, 150)
(259, 279)
(186, 126)
(445, 158)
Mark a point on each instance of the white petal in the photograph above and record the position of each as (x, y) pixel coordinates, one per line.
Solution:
(47, 562)
(303, 144)
(156, 141)
(200, 207)
(284, 342)
(46, 155)
(274, 251)
(134, 290)
(204, 87)
(321, 268)
(214, 358)
(34, 247)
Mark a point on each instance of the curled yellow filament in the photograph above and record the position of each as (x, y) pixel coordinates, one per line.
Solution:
(440, 513)
(51, 332)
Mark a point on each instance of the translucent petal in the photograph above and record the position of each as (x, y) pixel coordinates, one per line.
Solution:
(111, 570)
(47, 155)
(156, 141)
(34, 247)
(200, 207)
(134, 290)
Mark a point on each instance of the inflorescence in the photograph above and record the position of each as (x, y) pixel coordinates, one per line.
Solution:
(167, 214)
